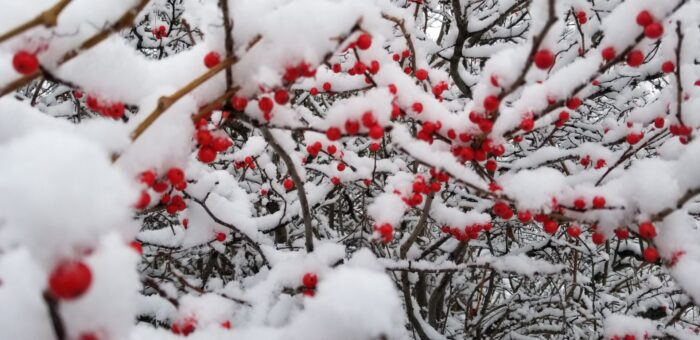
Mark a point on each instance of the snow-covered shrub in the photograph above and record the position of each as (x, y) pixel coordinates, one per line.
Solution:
(349, 169)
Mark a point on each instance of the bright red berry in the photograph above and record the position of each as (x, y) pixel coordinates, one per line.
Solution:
(573, 103)
(580, 203)
(524, 216)
(144, 200)
(25, 63)
(647, 230)
(281, 96)
(608, 53)
(635, 58)
(550, 227)
(221, 237)
(333, 133)
(206, 154)
(265, 104)
(544, 59)
(622, 233)
(175, 175)
(651, 255)
(364, 41)
(654, 31)
(668, 67)
(644, 18)
(422, 74)
(599, 202)
(574, 231)
(634, 138)
(491, 165)
(598, 238)
(417, 107)
(352, 127)
(527, 124)
(288, 184)
(376, 132)
(70, 280)
(491, 103)
(212, 59)
(309, 280)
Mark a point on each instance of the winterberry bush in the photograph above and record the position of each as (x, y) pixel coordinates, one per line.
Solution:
(349, 169)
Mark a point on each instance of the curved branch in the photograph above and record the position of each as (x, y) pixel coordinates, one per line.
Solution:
(298, 183)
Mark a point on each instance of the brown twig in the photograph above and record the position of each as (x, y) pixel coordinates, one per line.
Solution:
(56, 321)
(47, 18)
(164, 103)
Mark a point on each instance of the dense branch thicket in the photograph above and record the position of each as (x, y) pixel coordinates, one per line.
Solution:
(376, 169)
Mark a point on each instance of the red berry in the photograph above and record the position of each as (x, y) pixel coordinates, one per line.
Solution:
(265, 104)
(148, 177)
(364, 41)
(313, 91)
(417, 107)
(221, 144)
(668, 67)
(281, 96)
(25, 63)
(70, 280)
(524, 216)
(368, 119)
(374, 147)
(609, 53)
(136, 246)
(221, 237)
(332, 149)
(88, 336)
(647, 230)
(573, 103)
(581, 17)
(598, 238)
(599, 202)
(352, 127)
(491, 103)
(376, 132)
(654, 31)
(550, 227)
(544, 59)
(635, 58)
(341, 166)
(485, 125)
(573, 231)
(634, 138)
(175, 176)
(651, 254)
(659, 122)
(333, 133)
(580, 203)
(288, 184)
(226, 324)
(206, 154)
(644, 18)
(527, 124)
(327, 87)
(310, 280)
(422, 74)
(144, 201)
(491, 165)
(622, 233)
(212, 59)
(387, 231)
(335, 180)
